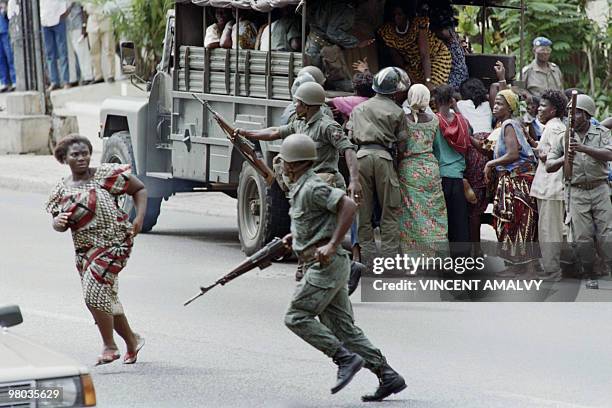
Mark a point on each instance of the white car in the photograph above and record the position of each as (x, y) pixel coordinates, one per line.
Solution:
(34, 376)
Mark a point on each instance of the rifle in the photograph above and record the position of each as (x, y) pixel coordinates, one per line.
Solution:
(567, 165)
(245, 148)
(262, 258)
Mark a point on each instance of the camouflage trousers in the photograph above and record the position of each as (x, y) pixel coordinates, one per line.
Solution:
(323, 293)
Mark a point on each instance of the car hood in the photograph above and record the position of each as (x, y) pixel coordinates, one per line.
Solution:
(21, 359)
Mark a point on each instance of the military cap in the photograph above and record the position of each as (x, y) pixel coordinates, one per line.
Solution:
(542, 42)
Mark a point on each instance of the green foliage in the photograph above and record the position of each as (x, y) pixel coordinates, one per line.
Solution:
(144, 23)
(576, 41)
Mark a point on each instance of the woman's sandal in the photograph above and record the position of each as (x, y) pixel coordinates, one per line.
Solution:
(130, 358)
(108, 356)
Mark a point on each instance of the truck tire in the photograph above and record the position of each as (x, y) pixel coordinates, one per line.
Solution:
(118, 150)
(263, 212)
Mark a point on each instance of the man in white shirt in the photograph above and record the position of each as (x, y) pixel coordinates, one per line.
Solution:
(52, 14)
(547, 188)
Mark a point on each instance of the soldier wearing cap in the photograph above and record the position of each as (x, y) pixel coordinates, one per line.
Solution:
(376, 125)
(327, 134)
(590, 209)
(320, 217)
(542, 74)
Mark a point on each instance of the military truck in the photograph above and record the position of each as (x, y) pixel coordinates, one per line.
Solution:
(173, 142)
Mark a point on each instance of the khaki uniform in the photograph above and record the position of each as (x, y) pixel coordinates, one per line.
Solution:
(590, 208)
(323, 292)
(330, 140)
(101, 40)
(538, 80)
(376, 125)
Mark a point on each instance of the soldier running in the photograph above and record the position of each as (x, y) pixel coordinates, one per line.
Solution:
(325, 132)
(376, 125)
(320, 217)
(590, 209)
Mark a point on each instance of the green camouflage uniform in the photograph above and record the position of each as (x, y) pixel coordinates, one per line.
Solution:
(590, 207)
(331, 141)
(323, 292)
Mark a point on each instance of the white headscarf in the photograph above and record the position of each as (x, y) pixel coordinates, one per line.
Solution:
(418, 99)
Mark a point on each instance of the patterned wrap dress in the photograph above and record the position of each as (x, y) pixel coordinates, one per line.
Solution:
(408, 47)
(101, 232)
(515, 212)
(423, 218)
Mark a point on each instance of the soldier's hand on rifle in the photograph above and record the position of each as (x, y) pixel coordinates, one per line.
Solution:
(355, 191)
(323, 254)
(238, 132)
(575, 146)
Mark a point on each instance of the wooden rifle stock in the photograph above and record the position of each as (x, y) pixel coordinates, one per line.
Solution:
(262, 259)
(244, 147)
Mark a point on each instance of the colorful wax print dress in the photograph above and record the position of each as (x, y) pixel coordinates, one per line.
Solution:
(101, 232)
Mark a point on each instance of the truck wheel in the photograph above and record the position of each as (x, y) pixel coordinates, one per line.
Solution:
(118, 150)
(263, 212)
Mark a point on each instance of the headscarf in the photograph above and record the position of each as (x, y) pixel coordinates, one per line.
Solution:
(418, 99)
(512, 100)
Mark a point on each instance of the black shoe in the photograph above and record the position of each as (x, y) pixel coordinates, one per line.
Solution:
(357, 269)
(348, 365)
(110, 80)
(97, 81)
(390, 382)
(4, 89)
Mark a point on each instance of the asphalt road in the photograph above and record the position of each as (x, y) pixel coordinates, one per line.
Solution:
(231, 349)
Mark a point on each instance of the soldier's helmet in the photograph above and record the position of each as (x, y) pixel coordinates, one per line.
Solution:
(301, 79)
(310, 93)
(298, 147)
(316, 73)
(391, 80)
(586, 103)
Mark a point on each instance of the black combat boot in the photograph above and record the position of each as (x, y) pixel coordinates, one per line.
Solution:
(348, 365)
(357, 269)
(390, 382)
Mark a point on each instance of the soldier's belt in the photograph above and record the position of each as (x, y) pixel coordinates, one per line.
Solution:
(308, 254)
(589, 185)
(373, 146)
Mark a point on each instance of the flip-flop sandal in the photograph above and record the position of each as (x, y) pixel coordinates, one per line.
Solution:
(108, 357)
(130, 358)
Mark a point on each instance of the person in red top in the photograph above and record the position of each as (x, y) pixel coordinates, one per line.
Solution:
(455, 130)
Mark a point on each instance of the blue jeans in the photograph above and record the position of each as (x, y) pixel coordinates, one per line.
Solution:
(7, 67)
(56, 49)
